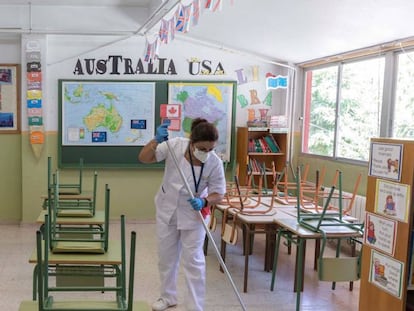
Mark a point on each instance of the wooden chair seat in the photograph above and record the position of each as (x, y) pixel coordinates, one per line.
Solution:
(78, 247)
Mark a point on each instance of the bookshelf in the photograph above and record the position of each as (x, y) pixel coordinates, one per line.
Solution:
(387, 264)
(258, 149)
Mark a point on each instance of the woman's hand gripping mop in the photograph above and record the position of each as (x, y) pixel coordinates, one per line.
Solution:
(200, 204)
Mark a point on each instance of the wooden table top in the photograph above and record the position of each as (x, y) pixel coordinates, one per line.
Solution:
(111, 257)
(98, 219)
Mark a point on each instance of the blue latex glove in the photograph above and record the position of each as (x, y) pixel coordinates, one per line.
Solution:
(197, 203)
(162, 131)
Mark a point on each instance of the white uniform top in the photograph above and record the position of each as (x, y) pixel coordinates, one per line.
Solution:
(172, 197)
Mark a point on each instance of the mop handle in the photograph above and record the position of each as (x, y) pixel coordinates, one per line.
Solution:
(210, 237)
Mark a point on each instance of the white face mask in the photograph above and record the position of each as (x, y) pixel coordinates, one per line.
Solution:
(201, 155)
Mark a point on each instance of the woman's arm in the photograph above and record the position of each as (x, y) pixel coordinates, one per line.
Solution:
(213, 198)
(147, 154)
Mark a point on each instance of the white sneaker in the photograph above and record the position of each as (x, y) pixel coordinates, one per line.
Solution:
(161, 304)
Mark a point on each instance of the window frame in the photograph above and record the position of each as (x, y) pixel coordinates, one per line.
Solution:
(387, 105)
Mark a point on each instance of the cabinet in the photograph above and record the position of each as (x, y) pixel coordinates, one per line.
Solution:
(252, 152)
(386, 272)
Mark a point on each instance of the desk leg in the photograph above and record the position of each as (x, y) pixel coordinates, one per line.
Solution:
(222, 253)
(269, 247)
(353, 251)
(300, 264)
(317, 251)
(246, 257)
(275, 257)
(35, 276)
(300, 270)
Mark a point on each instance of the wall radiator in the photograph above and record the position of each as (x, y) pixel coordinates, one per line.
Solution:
(358, 208)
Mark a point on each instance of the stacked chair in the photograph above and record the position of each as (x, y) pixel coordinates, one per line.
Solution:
(90, 237)
(71, 199)
(75, 255)
(332, 269)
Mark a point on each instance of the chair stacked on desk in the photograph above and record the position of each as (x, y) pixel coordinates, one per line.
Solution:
(75, 255)
(322, 226)
(77, 236)
(72, 199)
(114, 294)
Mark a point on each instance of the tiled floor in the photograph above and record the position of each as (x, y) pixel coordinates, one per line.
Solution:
(17, 243)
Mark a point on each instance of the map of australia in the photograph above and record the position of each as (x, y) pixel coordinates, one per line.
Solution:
(107, 113)
(101, 116)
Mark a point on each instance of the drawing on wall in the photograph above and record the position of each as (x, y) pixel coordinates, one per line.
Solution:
(212, 101)
(381, 233)
(104, 113)
(392, 199)
(9, 99)
(386, 273)
(385, 160)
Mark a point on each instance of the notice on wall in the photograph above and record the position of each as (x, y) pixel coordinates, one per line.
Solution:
(386, 273)
(385, 160)
(392, 199)
(380, 233)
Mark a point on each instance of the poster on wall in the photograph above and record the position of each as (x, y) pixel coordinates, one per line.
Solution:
(385, 160)
(392, 199)
(9, 99)
(380, 233)
(212, 101)
(386, 273)
(107, 113)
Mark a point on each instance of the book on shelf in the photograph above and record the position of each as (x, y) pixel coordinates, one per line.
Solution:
(265, 144)
(273, 146)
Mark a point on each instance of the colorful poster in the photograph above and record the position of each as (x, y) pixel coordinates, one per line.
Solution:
(385, 160)
(392, 199)
(380, 233)
(212, 101)
(386, 273)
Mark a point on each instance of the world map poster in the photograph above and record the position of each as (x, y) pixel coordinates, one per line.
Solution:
(212, 101)
(102, 113)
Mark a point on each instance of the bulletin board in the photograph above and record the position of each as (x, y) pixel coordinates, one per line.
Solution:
(107, 122)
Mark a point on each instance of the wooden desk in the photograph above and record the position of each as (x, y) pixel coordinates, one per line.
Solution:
(112, 256)
(288, 223)
(251, 225)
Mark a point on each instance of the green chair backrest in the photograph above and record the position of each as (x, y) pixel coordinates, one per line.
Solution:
(82, 238)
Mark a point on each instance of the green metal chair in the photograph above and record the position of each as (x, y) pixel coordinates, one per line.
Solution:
(66, 188)
(333, 269)
(74, 207)
(120, 300)
(77, 238)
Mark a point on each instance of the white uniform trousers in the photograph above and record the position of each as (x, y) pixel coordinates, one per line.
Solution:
(188, 243)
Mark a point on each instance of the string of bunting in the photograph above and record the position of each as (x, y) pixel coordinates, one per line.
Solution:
(181, 20)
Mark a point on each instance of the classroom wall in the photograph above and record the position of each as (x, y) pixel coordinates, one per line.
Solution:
(132, 190)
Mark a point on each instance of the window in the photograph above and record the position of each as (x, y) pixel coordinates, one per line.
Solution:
(343, 108)
(403, 121)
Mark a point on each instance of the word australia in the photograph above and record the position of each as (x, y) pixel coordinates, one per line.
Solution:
(118, 65)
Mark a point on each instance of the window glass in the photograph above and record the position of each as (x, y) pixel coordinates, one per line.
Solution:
(403, 125)
(319, 113)
(359, 110)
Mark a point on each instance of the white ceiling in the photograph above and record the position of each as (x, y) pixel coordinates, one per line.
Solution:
(290, 30)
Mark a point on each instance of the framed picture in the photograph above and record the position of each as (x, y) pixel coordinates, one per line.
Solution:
(9, 99)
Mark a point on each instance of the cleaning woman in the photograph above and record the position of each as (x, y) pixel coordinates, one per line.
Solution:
(179, 229)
